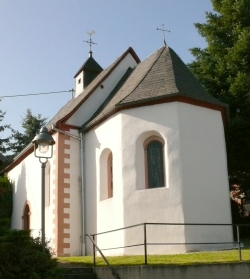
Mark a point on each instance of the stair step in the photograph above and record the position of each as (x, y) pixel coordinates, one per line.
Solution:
(78, 273)
(78, 276)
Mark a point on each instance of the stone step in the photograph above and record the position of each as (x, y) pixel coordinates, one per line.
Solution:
(78, 273)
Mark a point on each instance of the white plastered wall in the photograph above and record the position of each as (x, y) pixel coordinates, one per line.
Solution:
(182, 126)
(79, 84)
(158, 205)
(205, 178)
(132, 204)
(104, 214)
(26, 180)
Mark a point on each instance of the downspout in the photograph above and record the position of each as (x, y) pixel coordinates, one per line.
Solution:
(81, 140)
(83, 199)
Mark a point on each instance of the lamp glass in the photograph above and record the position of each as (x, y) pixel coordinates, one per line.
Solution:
(43, 150)
(43, 147)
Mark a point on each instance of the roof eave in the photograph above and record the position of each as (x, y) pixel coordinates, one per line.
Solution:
(175, 97)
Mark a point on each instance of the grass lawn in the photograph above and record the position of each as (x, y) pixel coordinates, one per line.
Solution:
(185, 259)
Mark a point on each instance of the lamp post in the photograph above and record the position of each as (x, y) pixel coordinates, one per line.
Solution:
(43, 149)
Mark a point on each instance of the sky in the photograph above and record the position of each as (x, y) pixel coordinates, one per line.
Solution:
(42, 44)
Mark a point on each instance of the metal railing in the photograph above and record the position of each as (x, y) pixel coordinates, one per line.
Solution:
(145, 242)
(95, 247)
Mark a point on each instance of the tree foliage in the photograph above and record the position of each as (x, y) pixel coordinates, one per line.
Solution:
(223, 67)
(5, 197)
(6, 204)
(3, 140)
(31, 124)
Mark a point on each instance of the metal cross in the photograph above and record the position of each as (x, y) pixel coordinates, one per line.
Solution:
(163, 30)
(90, 42)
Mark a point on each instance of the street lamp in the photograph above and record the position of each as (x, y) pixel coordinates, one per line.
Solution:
(43, 149)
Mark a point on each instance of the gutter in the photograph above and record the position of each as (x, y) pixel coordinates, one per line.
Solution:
(82, 164)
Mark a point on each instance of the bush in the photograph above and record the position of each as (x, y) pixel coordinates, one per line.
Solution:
(4, 226)
(21, 257)
(5, 197)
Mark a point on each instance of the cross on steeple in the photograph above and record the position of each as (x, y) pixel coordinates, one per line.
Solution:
(163, 30)
(90, 42)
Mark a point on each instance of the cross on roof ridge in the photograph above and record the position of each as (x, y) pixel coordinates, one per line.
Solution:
(163, 30)
(90, 42)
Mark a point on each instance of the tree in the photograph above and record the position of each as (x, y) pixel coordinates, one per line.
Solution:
(5, 197)
(31, 124)
(3, 141)
(223, 67)
(6, 203)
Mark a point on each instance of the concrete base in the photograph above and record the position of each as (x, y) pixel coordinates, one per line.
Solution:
(211, 271)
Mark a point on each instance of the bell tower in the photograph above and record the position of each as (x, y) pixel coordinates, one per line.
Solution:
(88, 71)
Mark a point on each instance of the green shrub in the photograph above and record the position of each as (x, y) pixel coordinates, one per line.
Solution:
(4, 226)
(21, 257)
(6, 202)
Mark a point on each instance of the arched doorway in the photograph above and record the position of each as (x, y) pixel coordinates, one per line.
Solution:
(26, 217)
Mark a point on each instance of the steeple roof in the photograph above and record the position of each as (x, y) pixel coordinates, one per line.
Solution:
(90, 64)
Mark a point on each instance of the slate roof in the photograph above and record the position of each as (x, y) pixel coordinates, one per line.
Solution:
(76, 102)
(160, 76)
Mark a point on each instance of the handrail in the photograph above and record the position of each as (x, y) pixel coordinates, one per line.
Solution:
(114, 273)
(145, 243)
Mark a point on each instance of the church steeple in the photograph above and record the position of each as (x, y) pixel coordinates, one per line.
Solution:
(88, 72)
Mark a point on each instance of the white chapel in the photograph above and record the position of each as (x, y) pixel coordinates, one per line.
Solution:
(140, 142)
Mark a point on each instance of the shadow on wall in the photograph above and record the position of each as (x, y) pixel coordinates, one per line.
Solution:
(91, 186)
(20, 201)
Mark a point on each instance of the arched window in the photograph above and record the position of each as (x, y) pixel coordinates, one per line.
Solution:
(26, 217)
(154, 162)
(106, 174)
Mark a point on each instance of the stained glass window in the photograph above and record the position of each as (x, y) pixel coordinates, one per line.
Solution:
(155, 164)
